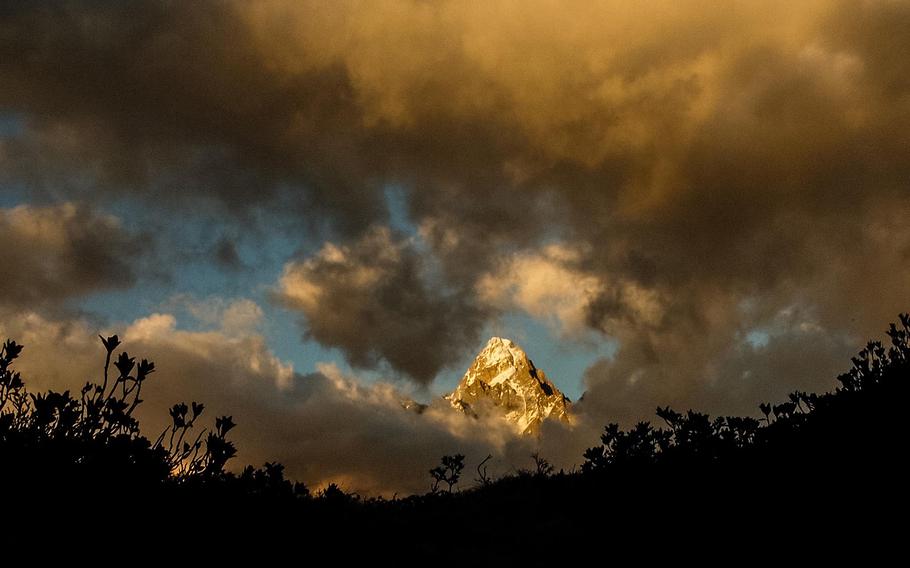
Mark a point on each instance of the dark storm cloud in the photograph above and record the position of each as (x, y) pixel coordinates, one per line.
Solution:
(242, 104)
(173, 101)
(64, 251)
(377, 300)
(714, 165)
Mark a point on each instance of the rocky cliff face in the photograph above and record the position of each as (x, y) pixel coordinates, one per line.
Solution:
(502, 376)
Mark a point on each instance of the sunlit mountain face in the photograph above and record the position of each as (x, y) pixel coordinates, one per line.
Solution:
(308, 212)
(503, 376)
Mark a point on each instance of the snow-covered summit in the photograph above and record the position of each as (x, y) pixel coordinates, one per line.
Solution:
(504, 376)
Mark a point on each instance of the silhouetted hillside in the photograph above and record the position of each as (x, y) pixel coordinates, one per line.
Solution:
(827, 463)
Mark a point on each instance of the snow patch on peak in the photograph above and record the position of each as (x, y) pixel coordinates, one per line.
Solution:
(501, 349)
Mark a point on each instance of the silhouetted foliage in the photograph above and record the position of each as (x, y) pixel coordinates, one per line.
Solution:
(694, 439)
(93, 441)
(448, 472)
(832, 462)
(542, 467)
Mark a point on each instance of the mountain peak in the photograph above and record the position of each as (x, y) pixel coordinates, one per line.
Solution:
(504, 377)
(501, 349)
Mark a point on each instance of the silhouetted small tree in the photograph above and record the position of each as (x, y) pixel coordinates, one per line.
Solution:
(448, 472)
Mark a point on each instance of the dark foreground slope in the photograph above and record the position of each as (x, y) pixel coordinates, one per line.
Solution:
(823, 471)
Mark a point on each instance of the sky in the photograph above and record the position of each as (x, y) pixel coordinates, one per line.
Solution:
(307, 212)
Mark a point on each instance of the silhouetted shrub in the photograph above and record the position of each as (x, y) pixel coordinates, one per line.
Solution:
(93, 442)
(448, 472)
(693, 439)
